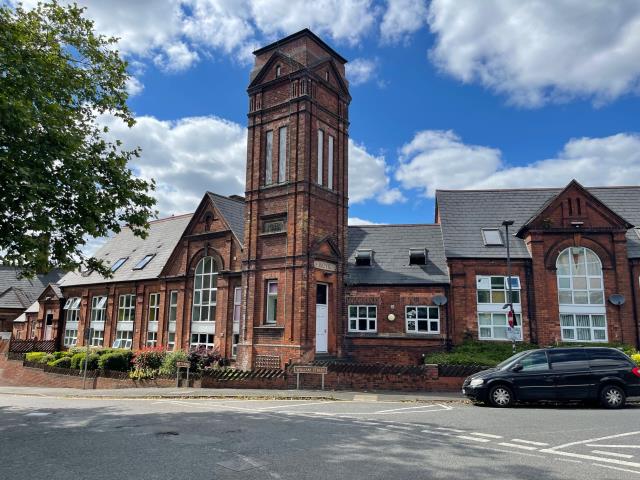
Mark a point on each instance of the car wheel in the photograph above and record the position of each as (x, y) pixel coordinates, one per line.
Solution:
(612, 396)
(501, 396)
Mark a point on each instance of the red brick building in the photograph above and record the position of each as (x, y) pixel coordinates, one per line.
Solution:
(278, 277)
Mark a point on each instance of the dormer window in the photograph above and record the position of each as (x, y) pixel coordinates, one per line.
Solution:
(417, 256)
(278, 70)
(118, 263)
(364, 258)
(143, 263)
(492, 237)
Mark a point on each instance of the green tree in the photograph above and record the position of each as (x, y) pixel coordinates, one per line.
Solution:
(60, 179)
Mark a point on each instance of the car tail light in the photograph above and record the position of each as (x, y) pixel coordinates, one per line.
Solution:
(636, 371)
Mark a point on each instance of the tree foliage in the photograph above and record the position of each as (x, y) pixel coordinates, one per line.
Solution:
(61, 181)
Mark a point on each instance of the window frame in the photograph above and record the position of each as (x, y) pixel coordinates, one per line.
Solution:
(571, 276)
(574, 327)
(320, 158)
(492, 242)
(72, 307)
(330, 147)
(358, 318)
(152, 339)
(118, 263)
(144, 261)
(268, 158)
(96, 338)
(125, 336)
(364, 257)
(282, 154)
(98, 308)
(211, 305)
(428, 319)
(518, 326)
(271, 314)
(516, 290)
(127, 307)
(70, 339)
(206, 344)
(172, 315)
(153, 307)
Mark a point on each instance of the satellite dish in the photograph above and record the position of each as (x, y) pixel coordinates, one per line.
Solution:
(617, 299)
(440, 300)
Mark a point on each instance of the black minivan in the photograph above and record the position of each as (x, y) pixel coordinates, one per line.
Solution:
(557, 374)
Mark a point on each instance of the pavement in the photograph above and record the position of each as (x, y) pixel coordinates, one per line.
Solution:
(147, 437)
(220, 393)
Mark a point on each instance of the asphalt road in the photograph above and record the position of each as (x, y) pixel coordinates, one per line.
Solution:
(66, 438)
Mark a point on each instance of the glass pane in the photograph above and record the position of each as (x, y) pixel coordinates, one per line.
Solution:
(580, 283)
(500, 332)
(362, 312)
(205, 297)
(584, 333)
(580, 297)
(411, 312)
(434, 313)
(423, 312)
(411, 325)
(485, 332)
(214, 280)
(483, 283)
(564, 297)
(582, 320)
(196, 298)
(484, 296)
(516, 296)
(564, 282)
(372, 324)
(273, 288)
(372, 312)
(195, 314)
(423, 326)
(433, 326)
(566, 320)
(567, 334)
(198, 284)
(206, 281)
(353, 311)
(593, 264)
(596, 298)
(362, 324)
(499, 319)
(498, 296)
(578, 265)
(595, 283)
(562, 264)
(484, 319)
(353, 324)
(497, 283)
(598, 321)
(599, 335)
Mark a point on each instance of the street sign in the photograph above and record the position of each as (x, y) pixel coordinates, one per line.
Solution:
(183, 364)
(512, 334)
(310, 369)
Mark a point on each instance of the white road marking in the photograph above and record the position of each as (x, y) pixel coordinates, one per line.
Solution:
(37, 414)
(488, 435)
(612, 446)
(412, 408)
(591, 457)
(591, 440)
(612, 454)
(515, 445)
(570, 460)
(451, 429)
(616, 468)
(291, 406)
(399, 427)
(529, 442)
(475, 439)
(446, 434)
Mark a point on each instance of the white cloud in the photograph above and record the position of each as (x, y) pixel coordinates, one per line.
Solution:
(368, 177)
(187, 157)
(361, 221)
(403, 18)
(176, 57)
(535, 52)
(361, 70)
(134, 86)
(440, 160)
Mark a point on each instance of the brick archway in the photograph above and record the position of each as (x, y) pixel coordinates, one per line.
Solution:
(551, 256)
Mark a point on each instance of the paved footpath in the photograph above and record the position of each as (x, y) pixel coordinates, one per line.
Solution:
(155, 392)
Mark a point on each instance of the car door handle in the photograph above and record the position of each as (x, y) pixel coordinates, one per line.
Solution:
(548, 379)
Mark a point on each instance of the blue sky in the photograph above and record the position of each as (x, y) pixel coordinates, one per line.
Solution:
(446, 94)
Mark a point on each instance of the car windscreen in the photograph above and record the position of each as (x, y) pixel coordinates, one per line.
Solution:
(509, 361)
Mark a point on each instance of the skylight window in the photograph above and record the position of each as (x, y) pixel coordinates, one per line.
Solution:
(143, 263)
(118, 263)
(417, 256)
(364, 257)
(492, 237)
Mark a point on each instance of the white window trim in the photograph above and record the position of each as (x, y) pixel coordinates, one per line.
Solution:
(173, 296)
(152, 339)
(98, 309)
(591, 328)
(70, 339)
(268, 161)
(206, 343)
(330, 163)
(518, 327)
(268, 320)
(587, 306)
(320, 157)
(429, 320)
(154, 306)
(282, 154)
(488, 243)
(127, 305)
(358, 317)
(489, 306)
(211, 306)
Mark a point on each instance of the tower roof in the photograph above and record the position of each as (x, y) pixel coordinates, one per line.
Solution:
(295, 36)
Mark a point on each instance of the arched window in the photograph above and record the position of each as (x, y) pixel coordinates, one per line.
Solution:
(205, 290)
(278, 71)
(581, 295)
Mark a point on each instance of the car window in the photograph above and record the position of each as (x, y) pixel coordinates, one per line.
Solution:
(505, 364)
(568, 359)
(606, 357)
(535, 361)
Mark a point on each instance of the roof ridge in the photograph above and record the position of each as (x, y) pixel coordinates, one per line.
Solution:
(531, 189)
(398, 225)
(225, 197)
(172, 217)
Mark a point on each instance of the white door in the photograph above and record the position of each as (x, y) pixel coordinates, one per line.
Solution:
(48, 328)
(322, 317)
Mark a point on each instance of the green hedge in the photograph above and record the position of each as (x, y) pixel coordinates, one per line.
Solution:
(63, 362)
(117, 360)
(37, 357)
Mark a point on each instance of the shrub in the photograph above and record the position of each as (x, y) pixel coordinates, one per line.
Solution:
(203, 358)
(142, 373)
(76, 359)
(487, 354)
(169, 363)
(37, 357)
(636, 358)
(118, 360)
(149, 358)
(92, 363)
(62, 362)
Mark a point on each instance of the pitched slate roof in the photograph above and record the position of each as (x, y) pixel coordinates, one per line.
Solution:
(390, 245)
(18, 292)
(464, 213)
(233, 211)
(163, 236)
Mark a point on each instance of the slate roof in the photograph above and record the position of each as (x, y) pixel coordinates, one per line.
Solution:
(390, 245)
(233, 211)
(464, 213)
(21, 292)
(163, 236)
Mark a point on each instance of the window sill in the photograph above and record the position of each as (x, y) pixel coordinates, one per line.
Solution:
(269, 327)
(408, 336)
(272, 234)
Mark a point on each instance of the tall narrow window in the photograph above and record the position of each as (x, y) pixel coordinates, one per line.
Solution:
(330, 163)
(154, 306)
(320, 156)
(272, 302)
(237, 309)
(173, 306)
(205, 290)
(268, 170)
(282, 155)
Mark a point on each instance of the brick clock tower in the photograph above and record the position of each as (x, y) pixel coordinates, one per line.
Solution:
(295, 234)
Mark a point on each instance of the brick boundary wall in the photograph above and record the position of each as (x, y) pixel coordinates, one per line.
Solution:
(359, 377)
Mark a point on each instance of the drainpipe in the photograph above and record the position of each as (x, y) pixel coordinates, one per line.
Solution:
(635, 307)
